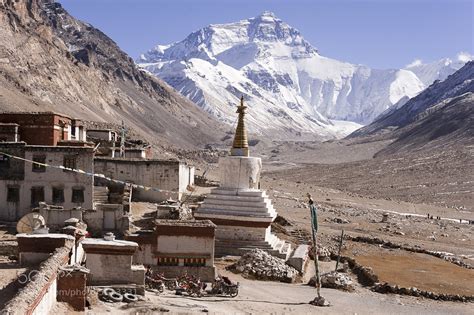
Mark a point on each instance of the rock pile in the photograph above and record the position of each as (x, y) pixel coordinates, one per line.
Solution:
(412, 291)
(335, 280)
(258, 264)
(324, 253)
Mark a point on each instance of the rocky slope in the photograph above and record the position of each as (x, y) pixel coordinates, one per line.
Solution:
(289, 85)
(51, 61)
(449, 123)
(441, 116)
(455, 85)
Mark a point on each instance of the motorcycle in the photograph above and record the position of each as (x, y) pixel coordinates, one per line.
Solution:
(151, 283)
(191, 285)
(223, 286)
(170, 283)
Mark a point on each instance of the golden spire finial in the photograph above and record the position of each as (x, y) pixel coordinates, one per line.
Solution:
(240, 146)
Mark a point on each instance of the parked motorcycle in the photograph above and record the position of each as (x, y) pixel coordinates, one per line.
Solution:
(151, 283)
(223, 286)
(170, 283)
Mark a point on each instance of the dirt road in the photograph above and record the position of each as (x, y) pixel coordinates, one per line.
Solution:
(261, 297)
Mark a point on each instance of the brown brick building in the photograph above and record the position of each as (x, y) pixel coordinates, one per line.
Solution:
(44, 128)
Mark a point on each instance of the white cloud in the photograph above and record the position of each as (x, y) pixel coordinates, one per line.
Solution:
(414, 63)
(465, 56)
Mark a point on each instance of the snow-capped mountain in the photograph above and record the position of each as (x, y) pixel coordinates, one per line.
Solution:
(438, 70)
(459, 84)
(288, 85)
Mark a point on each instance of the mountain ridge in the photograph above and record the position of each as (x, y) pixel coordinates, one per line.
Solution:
(285, 78)
(52, 61)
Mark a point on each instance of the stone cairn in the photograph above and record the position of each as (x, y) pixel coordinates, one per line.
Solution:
(335, 280)
(258, 264)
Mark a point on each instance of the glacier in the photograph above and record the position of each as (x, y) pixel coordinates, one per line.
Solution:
(291, 89)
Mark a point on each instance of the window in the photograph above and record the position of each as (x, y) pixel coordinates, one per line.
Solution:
(77, 195)
(194, 262)
(69, 161)
(58, 195)
(37, 195)
(37, 167)
(4, 162)
(168, 261)
(13, 194)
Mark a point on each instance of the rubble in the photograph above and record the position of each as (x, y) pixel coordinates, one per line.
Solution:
(260, 265)
(337, 220)
(324, 254)
(335, 280)
(385, 288)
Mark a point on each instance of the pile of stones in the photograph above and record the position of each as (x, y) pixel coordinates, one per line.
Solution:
(258, 264)
(412, 291)
(324, 253)
(335, 280)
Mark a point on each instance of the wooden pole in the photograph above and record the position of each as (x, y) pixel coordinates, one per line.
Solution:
(318, 300)
(339, 251)
(316, 265)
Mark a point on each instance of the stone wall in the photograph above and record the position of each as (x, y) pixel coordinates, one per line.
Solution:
(22, 176)
(71, 287)
(110, 262)
(39, 294)
(171, 176)
(189, 244)
(106, 218)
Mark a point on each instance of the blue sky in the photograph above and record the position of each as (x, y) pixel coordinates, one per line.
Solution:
(378, 33)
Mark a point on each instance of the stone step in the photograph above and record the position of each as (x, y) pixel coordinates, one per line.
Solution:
(273, 245)
(244, 193)
(240, 243)
(261, 202)
(279, 245)
(244, 208)
(206, 211)
(234, 197)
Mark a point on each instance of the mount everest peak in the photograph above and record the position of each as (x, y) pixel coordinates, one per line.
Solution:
(291, 90)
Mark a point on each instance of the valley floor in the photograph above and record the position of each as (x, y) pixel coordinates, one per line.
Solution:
(281, 298)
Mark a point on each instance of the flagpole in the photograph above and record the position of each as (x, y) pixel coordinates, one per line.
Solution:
(318, 300)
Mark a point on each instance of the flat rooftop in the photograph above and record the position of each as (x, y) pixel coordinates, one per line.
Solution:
(46, 113)
(121, 160)
(185, 223)
(46, 147)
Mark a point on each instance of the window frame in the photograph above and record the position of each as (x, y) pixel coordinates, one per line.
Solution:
(4, 161)
(61, 199)
(73, 196)
(36, 168)
(17, 194)
(36, 188)
(67, 162)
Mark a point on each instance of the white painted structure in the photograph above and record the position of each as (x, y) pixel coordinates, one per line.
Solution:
(110, 262)
(242, 212)
(176, 247)
(102, 134)
(134, 153)
(173, 177)
(23, 185)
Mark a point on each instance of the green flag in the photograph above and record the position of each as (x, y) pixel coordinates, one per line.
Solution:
(314, 218)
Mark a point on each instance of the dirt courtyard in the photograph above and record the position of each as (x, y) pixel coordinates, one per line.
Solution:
(408, 269)
(264, 297)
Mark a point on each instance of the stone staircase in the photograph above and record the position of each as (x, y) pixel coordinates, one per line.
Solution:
(275, 247)
(251, 205)
(101, 195)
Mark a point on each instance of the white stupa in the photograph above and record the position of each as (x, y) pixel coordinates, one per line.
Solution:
(242, 212)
